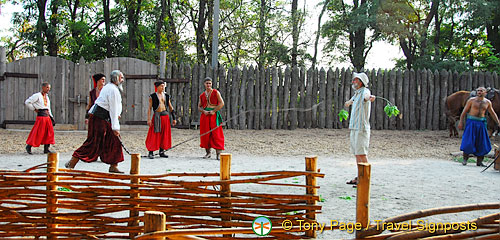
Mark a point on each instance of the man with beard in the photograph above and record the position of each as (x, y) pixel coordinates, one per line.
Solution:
(359, 121)
(43, 130)
(159, 134)
(475, 139)
(103, 138)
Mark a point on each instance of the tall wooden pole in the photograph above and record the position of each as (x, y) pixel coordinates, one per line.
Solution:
(134, 170)
(311, 166)
(363, 196)
(154, 221)
(52, 168)
(225, 175)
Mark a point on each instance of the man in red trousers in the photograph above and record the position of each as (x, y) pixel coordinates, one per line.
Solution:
(103, 138)
(210, 120)
(43, 130)
(159, 134)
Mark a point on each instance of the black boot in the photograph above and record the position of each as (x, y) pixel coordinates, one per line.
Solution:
(28, 149)
(479, 162)
(466, 157)
(162, 153)
(46, 148)
(151, 155)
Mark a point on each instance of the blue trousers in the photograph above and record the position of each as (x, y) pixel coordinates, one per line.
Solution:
(475, 139)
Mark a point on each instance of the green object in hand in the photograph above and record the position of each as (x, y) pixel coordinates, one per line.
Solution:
(391, 110)
(343, 115)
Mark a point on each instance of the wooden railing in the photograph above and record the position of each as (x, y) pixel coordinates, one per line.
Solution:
(73, 204)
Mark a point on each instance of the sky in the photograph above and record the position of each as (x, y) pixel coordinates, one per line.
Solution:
(381, 55)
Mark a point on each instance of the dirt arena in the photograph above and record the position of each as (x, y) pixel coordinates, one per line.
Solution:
(411, 170)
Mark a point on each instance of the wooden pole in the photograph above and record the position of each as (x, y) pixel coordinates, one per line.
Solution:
(52, 168)
(363, 196)
(154, 221)
(134, 195)
(225, 174)
(311, 166)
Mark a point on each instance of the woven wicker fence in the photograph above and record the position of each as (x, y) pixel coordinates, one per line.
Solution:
(71, 204)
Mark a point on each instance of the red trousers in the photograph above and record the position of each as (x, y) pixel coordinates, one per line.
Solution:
(101, 142)
(42, 132)
(214, 139)
(163, 139)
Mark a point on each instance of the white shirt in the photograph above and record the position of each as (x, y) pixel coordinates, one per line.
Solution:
(36, 102)
(111, 100)
(360, 112)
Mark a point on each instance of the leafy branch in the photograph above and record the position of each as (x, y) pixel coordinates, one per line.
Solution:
(390, 109)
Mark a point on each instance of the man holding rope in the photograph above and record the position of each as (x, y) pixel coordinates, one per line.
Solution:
(359, 122)
(475, 139)
(211, 135)
(103, 138)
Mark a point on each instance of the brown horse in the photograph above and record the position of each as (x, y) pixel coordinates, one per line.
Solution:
(455, 104)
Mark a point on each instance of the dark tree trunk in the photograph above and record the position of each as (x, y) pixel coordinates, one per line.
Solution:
(159, 24)
(200, 32)
(51, 32)
(318, 34)
(133, 10)
(295, 33)
(41, 26)
(107, 26)
(262, 32)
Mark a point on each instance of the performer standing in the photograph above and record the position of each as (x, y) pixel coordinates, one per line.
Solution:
(103, 139)
(159, 134)
(359, 122)
(99, 80)
(43, 130)
(209, 105)
(475, 139)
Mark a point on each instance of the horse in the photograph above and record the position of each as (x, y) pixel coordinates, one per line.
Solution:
(455, 104)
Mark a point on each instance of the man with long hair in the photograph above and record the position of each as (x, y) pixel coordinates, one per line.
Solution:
(103, 138)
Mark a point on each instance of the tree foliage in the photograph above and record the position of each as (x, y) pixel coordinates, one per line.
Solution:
(434, 34)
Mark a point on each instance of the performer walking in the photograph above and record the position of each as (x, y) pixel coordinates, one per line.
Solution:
(103, 139)
(209, 105)
(159, 134)
(43, 130)
(99, 81)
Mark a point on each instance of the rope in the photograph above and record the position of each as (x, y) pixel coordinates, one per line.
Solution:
(245, 112)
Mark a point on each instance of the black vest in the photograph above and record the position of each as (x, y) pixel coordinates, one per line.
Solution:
(156, 101)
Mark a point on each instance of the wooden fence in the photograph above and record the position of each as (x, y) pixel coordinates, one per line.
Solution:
(268, 98)
(71, 204)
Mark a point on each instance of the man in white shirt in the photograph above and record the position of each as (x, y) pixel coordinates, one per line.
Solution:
(43, 130)
(359, 121)
(103, 139)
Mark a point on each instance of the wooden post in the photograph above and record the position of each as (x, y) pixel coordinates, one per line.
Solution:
(225, 174)
(52, 168)
(154, 221)
(311, 166)
(134, 196)
(363, 196)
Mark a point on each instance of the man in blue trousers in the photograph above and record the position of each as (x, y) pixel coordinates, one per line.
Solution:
(475, 139)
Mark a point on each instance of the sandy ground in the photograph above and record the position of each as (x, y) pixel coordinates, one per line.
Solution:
(411, 170)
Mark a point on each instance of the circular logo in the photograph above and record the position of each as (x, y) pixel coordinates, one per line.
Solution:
(262, 226)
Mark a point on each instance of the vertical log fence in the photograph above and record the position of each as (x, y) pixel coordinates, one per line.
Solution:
(265, 98)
